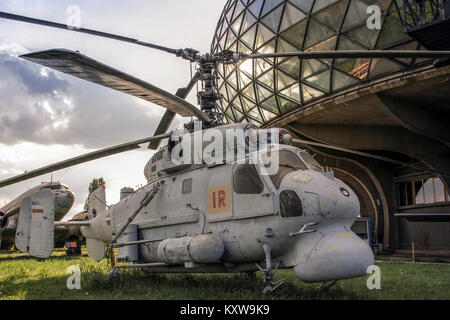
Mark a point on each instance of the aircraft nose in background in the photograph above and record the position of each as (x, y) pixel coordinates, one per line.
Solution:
(64, 201)
(69, 198)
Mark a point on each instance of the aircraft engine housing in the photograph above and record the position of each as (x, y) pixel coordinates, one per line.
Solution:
(125, 192)
(203, 248)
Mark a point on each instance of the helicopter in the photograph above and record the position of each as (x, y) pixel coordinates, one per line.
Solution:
(198, 215)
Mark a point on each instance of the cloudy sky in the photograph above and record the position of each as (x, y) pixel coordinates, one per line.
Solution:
(46, 116)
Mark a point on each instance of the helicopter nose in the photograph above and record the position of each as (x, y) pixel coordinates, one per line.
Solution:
(337, 255)
(337, 200)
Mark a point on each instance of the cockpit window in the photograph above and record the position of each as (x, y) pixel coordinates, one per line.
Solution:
(310, 161)
(246, 179)
(290, 204)
(53, 187)
(289, 158)
(288, 162)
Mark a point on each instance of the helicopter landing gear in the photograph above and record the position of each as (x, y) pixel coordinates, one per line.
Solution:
(268, 272)
(325, 286)
(114, 275)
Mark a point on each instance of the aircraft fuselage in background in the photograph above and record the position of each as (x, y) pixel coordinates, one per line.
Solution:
(64, 199)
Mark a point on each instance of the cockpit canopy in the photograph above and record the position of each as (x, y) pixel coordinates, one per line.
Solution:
(54, 186)
(291, 160)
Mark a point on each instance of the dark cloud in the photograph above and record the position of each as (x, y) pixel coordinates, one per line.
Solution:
(30, 75)
(46, 107)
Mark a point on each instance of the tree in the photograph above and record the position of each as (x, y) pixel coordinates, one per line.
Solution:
(94, 185)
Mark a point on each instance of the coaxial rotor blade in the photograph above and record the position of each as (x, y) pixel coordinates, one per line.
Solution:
(46, 23)
(369, 155)
(350, 54)
(81, 159)
(83, 67)
(168, 116)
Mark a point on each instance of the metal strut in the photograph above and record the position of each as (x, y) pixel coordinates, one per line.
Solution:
(268, 272)
(148, 197)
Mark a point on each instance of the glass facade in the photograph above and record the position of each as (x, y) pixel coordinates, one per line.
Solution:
(260, 90)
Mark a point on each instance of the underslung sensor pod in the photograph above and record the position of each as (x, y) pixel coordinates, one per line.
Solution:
(203, 248)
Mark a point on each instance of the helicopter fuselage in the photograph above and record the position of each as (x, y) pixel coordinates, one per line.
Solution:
(302, 213)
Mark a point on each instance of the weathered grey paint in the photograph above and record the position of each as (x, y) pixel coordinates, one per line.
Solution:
(252, 221)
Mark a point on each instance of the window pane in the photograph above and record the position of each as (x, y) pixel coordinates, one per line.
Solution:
(293, 92)
(286, 105)
(279, 176)
(391, 34)
(321, 80)
(409, 194)
(187, 186)
(439, 190)
(296, 34)
(317, 32)
(288, 162)
(289, 158)
(304, 5)
(291, 66)
(402, 194)
(419, 192)
(291, 17)
(246, 180)
(332, 15)
(310, 161)
(290, 204)
(309, 93)
(273, 19)
(255, 7)
(429, 193)
(53, 187)
(249, 36)
(270, 104)
(269, 5)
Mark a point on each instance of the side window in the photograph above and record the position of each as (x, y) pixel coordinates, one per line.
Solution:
(290, 204)
(187, 186)
(246, 179)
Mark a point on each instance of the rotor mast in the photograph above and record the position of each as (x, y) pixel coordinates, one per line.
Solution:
(208, 96)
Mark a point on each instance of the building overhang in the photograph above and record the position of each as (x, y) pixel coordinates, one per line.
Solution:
(424, 217)
(351, 106)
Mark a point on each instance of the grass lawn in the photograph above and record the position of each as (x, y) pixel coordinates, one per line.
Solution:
(24, 277)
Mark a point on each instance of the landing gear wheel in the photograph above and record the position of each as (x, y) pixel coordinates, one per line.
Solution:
(268, 272)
